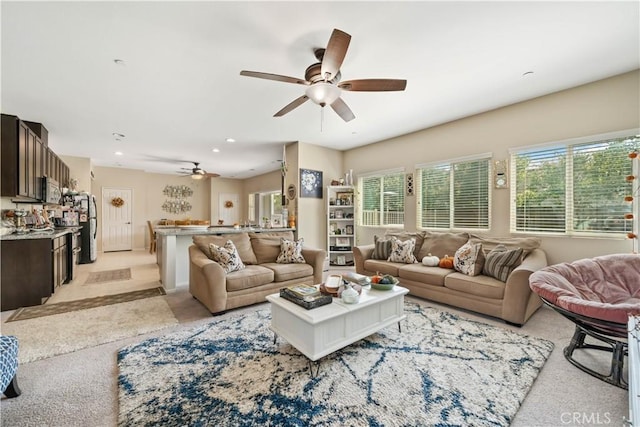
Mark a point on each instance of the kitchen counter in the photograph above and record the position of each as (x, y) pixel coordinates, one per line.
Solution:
(31, 235)
(173, 243)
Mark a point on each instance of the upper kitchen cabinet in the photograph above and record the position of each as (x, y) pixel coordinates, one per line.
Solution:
(26, 158)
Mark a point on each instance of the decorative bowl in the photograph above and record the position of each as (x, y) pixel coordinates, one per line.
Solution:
(385, 286)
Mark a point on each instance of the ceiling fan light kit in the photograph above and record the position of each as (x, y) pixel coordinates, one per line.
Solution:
(323, 79)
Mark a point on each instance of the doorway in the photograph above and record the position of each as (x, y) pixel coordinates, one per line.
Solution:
(117, 231)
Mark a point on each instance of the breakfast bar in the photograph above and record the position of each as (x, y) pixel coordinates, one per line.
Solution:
(173, 249)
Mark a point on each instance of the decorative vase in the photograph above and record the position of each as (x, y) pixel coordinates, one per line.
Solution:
(350, 295)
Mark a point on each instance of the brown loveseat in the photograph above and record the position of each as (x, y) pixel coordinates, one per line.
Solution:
(220, 291)
(512, 300)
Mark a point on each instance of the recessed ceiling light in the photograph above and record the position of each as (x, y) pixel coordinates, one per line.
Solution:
(118, 153)
(527, 74)
(216, 150)
(119, 62)
(230, 140)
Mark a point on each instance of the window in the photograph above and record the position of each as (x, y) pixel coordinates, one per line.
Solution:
(573, 188)
(454, 194)
(382, 201)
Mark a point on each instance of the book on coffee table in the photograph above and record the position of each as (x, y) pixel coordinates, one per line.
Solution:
(307, 302)
(302, 290)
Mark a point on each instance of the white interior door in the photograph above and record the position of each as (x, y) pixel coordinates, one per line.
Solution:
(117, 230)
(228, 208)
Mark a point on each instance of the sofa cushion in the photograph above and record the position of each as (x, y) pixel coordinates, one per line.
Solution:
(284, 272)
(441, 244)
(528, 244)
(249, 277)
(418, 236)
(381, 248)
(419, 273)
(240, 240)
(382, 267)
(402, 251)
(290, 252)
(482, 286)
(501, 261)
(266, 246)
(227, 256)
(469, 259)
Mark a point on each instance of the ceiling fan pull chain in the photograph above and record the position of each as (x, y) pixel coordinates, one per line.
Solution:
(321, 118)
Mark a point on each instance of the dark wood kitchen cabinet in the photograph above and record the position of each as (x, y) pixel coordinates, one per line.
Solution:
(26, 158)
(31, 270)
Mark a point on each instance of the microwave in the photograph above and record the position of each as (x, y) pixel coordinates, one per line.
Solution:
(51, 193)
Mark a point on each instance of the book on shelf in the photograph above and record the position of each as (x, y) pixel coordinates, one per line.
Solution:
(302, 290)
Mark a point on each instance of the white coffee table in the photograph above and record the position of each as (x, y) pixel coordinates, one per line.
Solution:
(323, 330)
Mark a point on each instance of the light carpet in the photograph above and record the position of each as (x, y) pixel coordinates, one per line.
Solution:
(49, 336)
(441, 370)
(109, 276)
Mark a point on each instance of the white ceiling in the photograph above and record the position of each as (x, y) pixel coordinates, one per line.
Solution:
(179, 94)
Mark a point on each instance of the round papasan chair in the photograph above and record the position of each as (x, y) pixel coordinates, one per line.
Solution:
(598, 295)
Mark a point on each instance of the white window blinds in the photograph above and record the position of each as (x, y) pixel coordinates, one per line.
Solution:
(382, 200)
(454, 194)
(576, 188)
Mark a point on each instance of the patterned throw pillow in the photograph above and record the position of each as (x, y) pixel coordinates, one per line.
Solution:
(469, 259)
(290, 252)
(227, 256)
(501, 262)
(402, 251)
(381, 249)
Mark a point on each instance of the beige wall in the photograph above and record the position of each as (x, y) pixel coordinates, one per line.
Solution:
(312, 213)
(148, 198)
(604, 106)
(80, 169)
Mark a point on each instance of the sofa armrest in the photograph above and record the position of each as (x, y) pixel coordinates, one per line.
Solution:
(519, 300)
(315, 258)
(360, 255)
(207, 281)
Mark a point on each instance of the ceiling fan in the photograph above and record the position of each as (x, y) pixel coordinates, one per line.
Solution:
(323, 79)
(198, 173)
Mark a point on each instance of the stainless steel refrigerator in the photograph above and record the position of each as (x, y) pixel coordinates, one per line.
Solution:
(85, 205)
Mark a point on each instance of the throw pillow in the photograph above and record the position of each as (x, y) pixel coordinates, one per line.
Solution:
(402, 251)
(381, 249)
(227, 256)
(501, 261)
(469, 259)
(290, 252)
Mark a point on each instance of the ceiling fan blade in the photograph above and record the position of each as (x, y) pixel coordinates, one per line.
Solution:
(343, 110)
(334, 54)
(276, 77)
(211, 175)
(290, 106)
(373, 85)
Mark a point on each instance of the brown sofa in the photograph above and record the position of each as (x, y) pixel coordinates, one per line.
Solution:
(220, 291)
(512, 301)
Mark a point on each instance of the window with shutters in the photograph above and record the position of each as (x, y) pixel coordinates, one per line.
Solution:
(382, 198)
(576, 187)
(454, 194)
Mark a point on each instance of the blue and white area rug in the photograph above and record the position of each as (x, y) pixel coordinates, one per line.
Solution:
(440, 370)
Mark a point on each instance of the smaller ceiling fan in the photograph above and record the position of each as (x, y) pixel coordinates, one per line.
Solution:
(198, 173)
(323, 79)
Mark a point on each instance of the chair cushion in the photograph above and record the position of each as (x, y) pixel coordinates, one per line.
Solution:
(382, 267)
(605, 288)
(284, 272)
(419, 273)
(8, 360)
(482, 286)
(240, 240)
(249, 277)
(266, 246)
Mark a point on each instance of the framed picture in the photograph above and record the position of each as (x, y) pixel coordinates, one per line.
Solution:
(276, 221)
(310, 183)
(342, 241)
(338, 214)
(349, 229)
(341, 260)
(346, 199)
